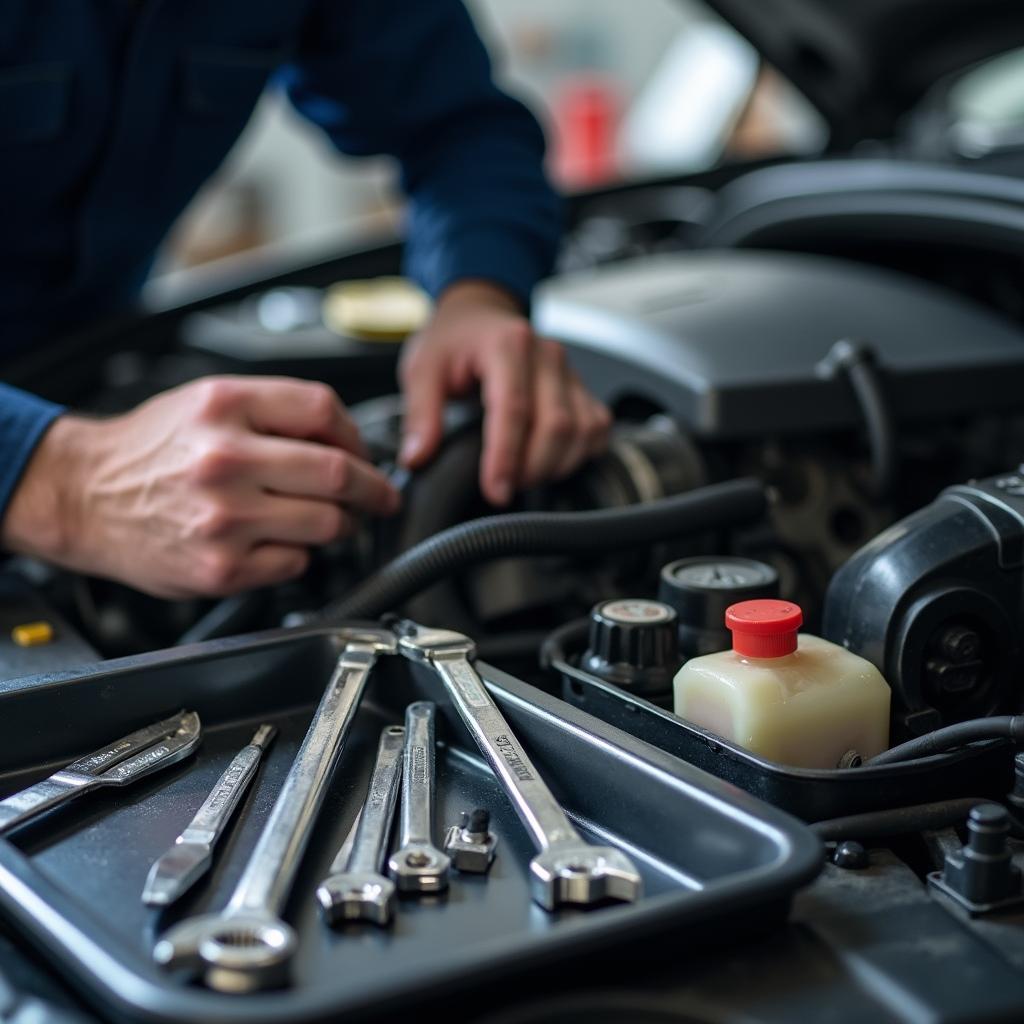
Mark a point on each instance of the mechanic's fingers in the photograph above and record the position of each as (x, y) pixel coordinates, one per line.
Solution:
(593, 422)
(556, 425)
(297, 521)
(308, 470)
(302, 409)
(423, 385)
(508, 411)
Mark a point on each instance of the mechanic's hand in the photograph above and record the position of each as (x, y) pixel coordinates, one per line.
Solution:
(211, 488)
(539, 420)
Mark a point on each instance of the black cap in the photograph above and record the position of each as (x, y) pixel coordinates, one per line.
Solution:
(634, 644)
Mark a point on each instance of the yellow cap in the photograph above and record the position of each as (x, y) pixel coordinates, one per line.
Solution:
(32, 634)
(385, 309)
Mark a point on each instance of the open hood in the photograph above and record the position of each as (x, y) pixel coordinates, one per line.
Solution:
(866, 63)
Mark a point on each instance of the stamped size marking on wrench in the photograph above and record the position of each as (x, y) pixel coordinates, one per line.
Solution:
(355, 890)
(418, 865)
(247, 946)
(567, 869)
(177, 870)
(126, 760)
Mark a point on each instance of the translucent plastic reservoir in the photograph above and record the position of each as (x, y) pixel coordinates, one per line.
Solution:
(796, 700)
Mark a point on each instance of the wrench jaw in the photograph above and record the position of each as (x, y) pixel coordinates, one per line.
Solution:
(237, 954)
(423, 644)
(420, 868)
(583, 874)
(351, 896)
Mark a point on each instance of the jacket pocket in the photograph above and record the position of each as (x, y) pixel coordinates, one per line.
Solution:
(224, 82)
(35, 100)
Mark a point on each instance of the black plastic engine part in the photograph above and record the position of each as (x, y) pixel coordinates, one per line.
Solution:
(982, 877)
(935, 602)
(633, 644)
(701, 588)
(540, 533)
(734, 344)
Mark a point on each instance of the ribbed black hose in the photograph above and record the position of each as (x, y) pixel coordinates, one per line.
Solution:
(1001, 727)
(719, 506)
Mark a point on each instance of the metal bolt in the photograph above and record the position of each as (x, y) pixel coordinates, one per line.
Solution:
(476, 822)
(960, 643)
(850, 855)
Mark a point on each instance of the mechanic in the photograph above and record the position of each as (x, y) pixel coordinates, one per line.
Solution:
(112, 114)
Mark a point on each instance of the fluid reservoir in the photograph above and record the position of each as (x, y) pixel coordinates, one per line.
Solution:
(788, 697)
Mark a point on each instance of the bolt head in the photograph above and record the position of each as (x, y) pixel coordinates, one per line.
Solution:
(851, 856)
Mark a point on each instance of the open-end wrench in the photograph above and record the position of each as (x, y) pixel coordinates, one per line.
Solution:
(567, 868)
(418, 865)
(355, 890)
(180, 867)
(247, 946)
(124, 761)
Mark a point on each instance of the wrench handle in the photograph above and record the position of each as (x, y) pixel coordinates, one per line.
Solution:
(535, 804)
(211, 819)
(270, 871)
(374, 827)
(29, 803)
(418, 775)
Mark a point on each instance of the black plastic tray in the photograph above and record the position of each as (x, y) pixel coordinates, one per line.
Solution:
(983, 769)
(70, 884)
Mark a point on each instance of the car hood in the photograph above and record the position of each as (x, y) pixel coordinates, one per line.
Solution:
(866, 63)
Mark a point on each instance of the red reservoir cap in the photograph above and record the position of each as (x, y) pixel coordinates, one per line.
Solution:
(765, 628)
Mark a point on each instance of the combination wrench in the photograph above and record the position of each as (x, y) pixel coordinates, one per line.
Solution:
(418, 865)
(124, 761)
(355, 890)
(567, 869)
(247, 946)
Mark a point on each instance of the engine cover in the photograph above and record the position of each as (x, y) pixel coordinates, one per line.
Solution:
(734, 344)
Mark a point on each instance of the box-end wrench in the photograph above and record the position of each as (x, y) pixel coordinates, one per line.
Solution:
(247, 946)
(355, 890)
(125, 761)
(180, 867)
(418, 865)
(567, 869)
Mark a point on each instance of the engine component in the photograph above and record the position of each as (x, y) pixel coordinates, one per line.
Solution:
(700, 589)
(798, 701)
(935, 601)
(734, 344)
(633, 643)
(982, 877)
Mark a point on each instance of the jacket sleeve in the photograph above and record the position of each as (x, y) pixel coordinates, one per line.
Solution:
(23, 421)
(411, 78)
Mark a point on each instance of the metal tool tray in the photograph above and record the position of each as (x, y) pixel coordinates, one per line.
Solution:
(813, 794)
(70, 883)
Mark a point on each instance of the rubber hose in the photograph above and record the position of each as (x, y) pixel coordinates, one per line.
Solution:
(1001, 727)
(548, 533)
(898, 821)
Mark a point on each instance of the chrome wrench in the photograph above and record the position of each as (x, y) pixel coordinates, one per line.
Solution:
(355, 890)
(418, 865)
(247, 946)
(124, 761)
(180, 867)
(567, 869)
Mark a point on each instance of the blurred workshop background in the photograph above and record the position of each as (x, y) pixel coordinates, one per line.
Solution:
(625, 91)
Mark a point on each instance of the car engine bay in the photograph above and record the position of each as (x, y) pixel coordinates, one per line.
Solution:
(818, 391)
